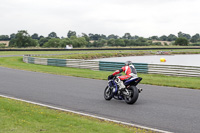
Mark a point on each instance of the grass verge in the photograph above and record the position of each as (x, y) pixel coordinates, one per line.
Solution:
(21, 117)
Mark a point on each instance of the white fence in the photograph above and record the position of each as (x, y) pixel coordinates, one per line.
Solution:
(175, 70)
(93, 65)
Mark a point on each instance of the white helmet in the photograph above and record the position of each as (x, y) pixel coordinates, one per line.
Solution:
(127, 63)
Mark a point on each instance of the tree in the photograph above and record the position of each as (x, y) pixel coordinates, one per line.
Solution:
(71, 33)
(195, 38)
(52, 35)
(140, 42)
(135, 37)
(141, 39)
(35, 36)
(112, 36)
(154, 38)
(78, 42)
(82, 42)
(119, 42)
(103, 36)
(40, 37)
(12, 36)
(182, 41)
(102, 42)
(86, 37)
(53, 42)
(64, 42)
(94, 36)
(171, 37)
(23, 39)
(98, 43)
(127, 36)
(43, 40)
(111, 42)
(163, 38)
(4, 38)
(181, 35)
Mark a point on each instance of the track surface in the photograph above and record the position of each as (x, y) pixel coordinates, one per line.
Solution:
(166, 108)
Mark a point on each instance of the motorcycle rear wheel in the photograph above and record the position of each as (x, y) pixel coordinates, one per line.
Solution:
(132, 98)
(108, 93)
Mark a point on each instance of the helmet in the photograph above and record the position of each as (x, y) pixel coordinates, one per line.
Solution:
(127, 63)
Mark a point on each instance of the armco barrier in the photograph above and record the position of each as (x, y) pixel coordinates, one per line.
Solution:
(93, 65)
(31, 60)
(41, 61)
(174, 70)
(109, 66)
(87, 64)
(56, 62)
(112, 66)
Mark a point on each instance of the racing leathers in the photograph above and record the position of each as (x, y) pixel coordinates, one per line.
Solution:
(130, 72)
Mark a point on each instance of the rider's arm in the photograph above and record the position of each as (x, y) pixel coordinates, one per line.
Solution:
(117, 72)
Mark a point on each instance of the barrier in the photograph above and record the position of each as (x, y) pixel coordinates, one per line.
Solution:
(87, 64)
(109, 66)
(56, 62)
(173, 70)
(112, 66)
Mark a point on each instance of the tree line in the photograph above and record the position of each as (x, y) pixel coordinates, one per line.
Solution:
(23, 39)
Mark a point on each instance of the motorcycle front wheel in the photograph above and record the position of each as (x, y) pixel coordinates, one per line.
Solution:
(108, 93)
(133, 95)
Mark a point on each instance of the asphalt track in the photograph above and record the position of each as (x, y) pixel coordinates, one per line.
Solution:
(166, 108)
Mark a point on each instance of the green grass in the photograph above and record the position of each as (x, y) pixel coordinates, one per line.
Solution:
(174, 51)
(171, 81)
(88, 56)
(21, 117)
(17, 63)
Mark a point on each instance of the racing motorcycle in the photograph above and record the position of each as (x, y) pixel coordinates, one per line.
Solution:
(130, 93)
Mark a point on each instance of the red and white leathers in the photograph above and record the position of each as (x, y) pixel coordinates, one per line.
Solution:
(129, 70)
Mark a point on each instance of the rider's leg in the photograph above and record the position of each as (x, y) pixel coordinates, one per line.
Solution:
(121, 83)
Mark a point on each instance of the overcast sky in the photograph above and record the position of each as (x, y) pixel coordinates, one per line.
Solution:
(137, 17)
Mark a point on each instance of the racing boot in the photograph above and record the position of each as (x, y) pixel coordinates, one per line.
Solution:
(121, 85)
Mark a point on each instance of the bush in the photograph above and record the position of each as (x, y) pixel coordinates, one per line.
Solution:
(22, 39)
(182, 41)
(2, 45)
(53, 42)
(195, 44)
(157, 44)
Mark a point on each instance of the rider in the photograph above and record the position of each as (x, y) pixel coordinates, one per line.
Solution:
(130, 72)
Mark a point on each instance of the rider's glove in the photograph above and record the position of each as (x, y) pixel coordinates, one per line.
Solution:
(110, 77)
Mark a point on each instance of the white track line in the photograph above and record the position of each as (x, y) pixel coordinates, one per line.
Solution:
(84, 114)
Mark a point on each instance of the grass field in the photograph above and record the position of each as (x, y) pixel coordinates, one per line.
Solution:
(174, 51)
(20, 117)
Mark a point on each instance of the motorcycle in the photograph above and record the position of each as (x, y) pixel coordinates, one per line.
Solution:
(130, 93)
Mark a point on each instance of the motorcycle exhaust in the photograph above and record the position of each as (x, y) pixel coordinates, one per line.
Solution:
(140, 90)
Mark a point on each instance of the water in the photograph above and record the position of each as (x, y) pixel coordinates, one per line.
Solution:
(185, 60)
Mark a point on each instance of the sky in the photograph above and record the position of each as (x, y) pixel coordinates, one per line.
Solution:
(144, 18)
